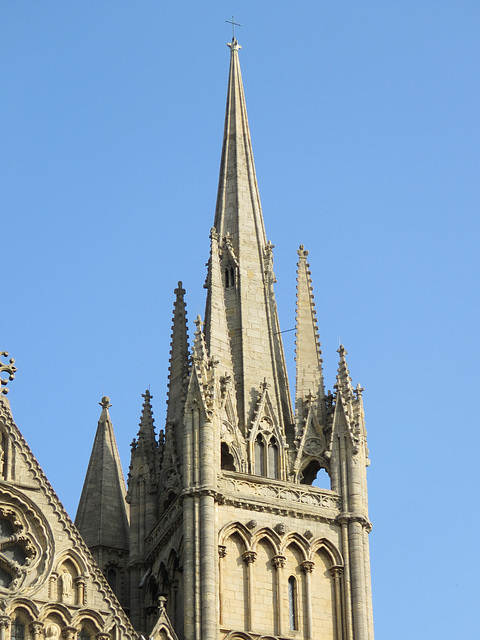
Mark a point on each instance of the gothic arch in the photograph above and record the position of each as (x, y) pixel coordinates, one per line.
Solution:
(58, 610)
(161, 632)
(298, 540)
(91, 617)
(238, 635)
(75, 558)
(235, 528)
(233, 452)
(266, 534)
(329, 549)
(306, 462)
(23, 607)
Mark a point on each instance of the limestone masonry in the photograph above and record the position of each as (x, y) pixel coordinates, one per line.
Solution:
(220, 533)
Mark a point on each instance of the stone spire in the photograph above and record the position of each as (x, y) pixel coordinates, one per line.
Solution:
(102, 511)
(308, 354)
(245, 260)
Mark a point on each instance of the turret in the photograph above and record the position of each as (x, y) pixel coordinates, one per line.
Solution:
(142, 488)
(103, 515)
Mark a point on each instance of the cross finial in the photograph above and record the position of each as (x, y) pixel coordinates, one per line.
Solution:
(233, 23)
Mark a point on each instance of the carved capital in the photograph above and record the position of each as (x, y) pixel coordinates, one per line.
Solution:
(36, 627)
(249, 556)
(307, 566)
(222, 550)
(69, 633)
(80, 580)
(336, 571)
(103, 636)
(4, 622)
(278, 562)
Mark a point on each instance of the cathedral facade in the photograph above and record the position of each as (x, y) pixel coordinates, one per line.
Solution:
(220, 533)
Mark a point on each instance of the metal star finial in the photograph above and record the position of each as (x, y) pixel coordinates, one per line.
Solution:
(8, 368)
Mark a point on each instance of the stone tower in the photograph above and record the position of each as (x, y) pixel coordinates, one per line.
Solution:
(226, 527)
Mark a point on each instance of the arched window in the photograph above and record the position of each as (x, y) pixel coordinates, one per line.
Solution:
(227, 461)
(112, 579)
(18, 630)
(273, 459)
(316, 475)
(292, 603)
(259, 457)
(229, 276)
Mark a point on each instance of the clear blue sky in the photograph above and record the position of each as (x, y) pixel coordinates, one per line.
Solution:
(365, 127)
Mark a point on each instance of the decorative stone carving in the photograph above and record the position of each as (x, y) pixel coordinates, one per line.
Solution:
(4, 622)
(25, 542)
(249, 556)
(336, 570)
(278, 562)
(53, 631)
(69, 633)
(7, 368)
(280, 528)
(307, 566)
(251, 524)
(222, 551)
(36, 628)
(278, 492)
(308, 534)
(66, 582)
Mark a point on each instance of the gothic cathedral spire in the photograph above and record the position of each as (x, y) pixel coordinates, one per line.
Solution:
(245, 294)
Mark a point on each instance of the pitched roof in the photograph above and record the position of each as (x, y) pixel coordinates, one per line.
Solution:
(102, 516)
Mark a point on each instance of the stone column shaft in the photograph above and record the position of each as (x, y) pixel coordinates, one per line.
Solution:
(208, 560)
(359, 605)
(4, 624)
(279, 563)
(307, 569)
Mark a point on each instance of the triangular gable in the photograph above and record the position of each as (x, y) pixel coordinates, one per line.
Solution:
(163, 629)
(264, 414)
(45, 566)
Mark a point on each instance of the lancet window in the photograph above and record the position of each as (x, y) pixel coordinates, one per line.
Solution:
(266, 457)
(292, 603)
(112, 579)
(229, 276)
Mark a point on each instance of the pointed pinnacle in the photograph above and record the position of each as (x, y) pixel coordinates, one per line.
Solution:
(344, 381)
(146, 419)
